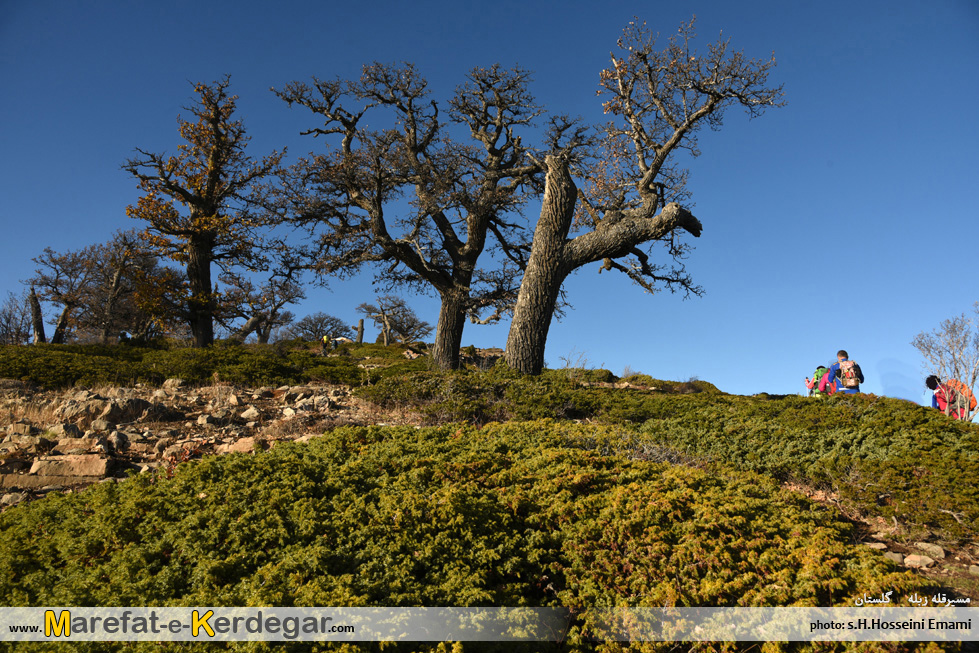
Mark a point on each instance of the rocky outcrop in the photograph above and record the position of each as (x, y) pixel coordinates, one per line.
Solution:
(53, 441)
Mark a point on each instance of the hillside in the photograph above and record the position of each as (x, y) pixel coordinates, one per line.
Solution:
(359, 481)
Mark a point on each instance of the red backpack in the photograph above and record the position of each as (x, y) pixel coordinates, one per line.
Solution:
(963, 394)
(848, 374)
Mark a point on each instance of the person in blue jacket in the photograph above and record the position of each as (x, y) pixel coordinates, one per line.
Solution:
(847, 374)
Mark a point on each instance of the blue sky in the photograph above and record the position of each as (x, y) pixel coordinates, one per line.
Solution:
(846, 219)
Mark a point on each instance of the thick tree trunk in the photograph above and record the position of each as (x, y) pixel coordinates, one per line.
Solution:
(37, 318)
(448, 332)
(61, 328)
(200, 305)
(253, 324)
(360, 331)
(546, 272)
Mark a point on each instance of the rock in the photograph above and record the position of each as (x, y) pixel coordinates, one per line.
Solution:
(894, 557)
(64, 430)
(250, 413)
(918, 561)
(234, 400)
(119, 441)
(79, 465)
(12, 498)
(288, 413)
(22, 428)
(244, 445)
(207, 420)
(172, 385)
(877, 546)
(124, 410)
(974, 570)
(102, 425)
(933, 550)
(160, 412)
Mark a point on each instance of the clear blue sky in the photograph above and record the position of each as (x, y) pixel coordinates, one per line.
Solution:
(846, 219)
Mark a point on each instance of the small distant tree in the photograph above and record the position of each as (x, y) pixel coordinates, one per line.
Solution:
(261, 307)
(951, 351)
(200, 205)
(396, 320)
(15, 320)
(315, 326)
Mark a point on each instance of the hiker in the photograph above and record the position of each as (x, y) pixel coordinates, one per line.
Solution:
(813, 384)
(953, 397)
(325, 344)
(845, 373)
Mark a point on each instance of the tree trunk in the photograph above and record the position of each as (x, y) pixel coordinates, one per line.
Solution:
(448, 332)
(360, 331)
(546, 272)
(200, 304)
(37, 318)
(110, 305)
(61, 329)
(253, 324)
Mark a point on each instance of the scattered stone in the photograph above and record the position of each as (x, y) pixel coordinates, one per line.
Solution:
(933, 550)
(81, 465)
(102, 425)
(207, 420)
(918, 561)
(65, 430)
(974, 570)
(12, 498)
(119, 441)
(244, 445)
(172, 385)
(22, 428)
(250, 413)
(877, 546)
(895, 557)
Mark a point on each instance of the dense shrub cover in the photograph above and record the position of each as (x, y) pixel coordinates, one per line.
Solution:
(59, 366)
(524, 513)
(883, 457)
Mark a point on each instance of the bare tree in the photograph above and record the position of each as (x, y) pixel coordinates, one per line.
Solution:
(951, 351)
(64, 280)
(200, 204)
(315, 326)
(261, 307)
(464, 172)
(396, 320)
(632, 193)
(15, 320)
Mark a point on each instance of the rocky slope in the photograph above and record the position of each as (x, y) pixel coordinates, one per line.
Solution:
(62, 441)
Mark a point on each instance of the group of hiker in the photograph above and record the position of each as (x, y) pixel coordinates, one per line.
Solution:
(952, 397)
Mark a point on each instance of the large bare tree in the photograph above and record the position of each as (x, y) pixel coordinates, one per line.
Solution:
(422, 193)
(631, 198)
(951, 351)
(200, 204)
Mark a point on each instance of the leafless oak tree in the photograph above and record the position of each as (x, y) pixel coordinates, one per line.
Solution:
(632, 191)
(423, 192)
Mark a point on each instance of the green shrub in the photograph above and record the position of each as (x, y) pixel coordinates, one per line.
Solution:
(514, 514)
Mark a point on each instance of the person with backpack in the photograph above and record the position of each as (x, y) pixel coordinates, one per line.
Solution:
(847, 375)
(813, 384)
(953, 397)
